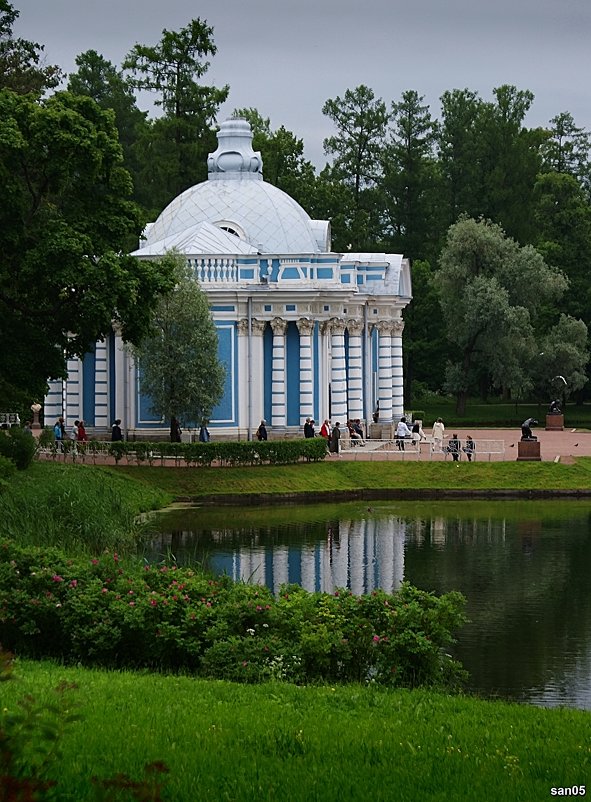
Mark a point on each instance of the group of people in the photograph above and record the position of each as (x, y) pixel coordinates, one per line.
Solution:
(77, 433)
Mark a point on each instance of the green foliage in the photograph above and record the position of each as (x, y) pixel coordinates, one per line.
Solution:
(80, 508)
(7, 469)
(64, 277)
(180, 369)
(22, 62)
(18, 446)
(105, 612)
(491, 291)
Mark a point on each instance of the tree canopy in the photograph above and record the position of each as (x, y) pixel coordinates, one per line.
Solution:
(65, 226)
(491, 291)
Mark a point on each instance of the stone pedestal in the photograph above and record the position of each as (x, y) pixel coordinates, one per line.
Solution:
(528, 451)
(382, 431)
(554, 422)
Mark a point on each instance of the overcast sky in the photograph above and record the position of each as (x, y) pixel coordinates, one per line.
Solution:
(287, 57)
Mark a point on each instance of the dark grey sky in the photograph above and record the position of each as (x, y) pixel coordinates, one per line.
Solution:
(287, 57)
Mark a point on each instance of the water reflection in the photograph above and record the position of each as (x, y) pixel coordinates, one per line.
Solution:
(523, 568)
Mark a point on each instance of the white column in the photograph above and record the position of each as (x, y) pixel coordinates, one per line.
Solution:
(355, 389)
(338, 372)
(385, 370)
(258, 374)
(101, 379)
(244, 368)
(53, 404)
(278, 386)
(306, 330)
(397, 370)
(73, 392)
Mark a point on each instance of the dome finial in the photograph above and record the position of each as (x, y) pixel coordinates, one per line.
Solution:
(234, 157)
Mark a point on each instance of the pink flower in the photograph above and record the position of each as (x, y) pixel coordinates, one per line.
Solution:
(130, 593)
(153, 602)
(116, 557)
(74, 583)
(146, 567)
(376, 638)
(132, 604)
(94, 561)
(104, 590)
(57, 578)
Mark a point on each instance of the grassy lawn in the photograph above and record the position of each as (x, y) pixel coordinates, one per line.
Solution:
(494, 413)
(279, 742)
(341, 476)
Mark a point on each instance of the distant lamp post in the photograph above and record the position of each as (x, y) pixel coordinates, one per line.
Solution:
(36, 409)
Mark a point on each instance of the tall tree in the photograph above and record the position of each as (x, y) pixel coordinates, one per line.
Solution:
(64, 227)
(361, 122)
(410, 181)
(180, 370)
(567, 149)
(22, 64)
(458, 135)
(172, 69)
(491, 291)
(99, 79)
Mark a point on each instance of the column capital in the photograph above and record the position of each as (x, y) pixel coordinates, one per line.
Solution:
(397, 328)
(355, 327)
(384, 327)
(335, 325)
(305, 325)
(258, 326)
(242, 327)
(279, 325)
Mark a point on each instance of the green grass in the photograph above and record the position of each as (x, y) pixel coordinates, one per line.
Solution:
(279, 742)
(307, 480)
(75, 507)
(497, 414)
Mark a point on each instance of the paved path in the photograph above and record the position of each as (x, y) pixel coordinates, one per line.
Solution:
(565, 445)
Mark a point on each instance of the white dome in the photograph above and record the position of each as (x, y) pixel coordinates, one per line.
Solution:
(236, 199)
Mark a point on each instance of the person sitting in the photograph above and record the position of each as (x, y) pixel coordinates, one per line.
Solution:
(453, 447)
(356, 439)
(358, 428)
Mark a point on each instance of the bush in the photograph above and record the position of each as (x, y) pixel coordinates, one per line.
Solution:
(7, 469)
(105, 613)
(18, 446)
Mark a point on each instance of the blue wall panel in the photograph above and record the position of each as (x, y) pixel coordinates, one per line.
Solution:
(226, 411)
(268, 371)
(292, 374)
(88, 387)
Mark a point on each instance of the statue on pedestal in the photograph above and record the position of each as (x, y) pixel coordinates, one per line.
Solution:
(526, 433)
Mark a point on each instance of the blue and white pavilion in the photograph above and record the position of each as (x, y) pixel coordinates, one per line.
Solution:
(303, 332)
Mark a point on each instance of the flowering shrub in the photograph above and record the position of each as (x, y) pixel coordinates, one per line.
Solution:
(107, 612)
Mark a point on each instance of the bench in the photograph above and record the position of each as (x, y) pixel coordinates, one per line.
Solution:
(481, 448)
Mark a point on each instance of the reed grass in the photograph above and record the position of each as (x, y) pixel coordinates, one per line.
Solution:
(75, 507)
(278, 742)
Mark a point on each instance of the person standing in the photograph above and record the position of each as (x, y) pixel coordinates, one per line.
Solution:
(470, 447)
(58, 432)
(335, 440)
(438, 434)
(453, 447)
(417, 434)
(402, 432)
(325, 430)
(262, 430)
(175, 430)
(204, 436)
(82, 437)
(309, 428)
(116, 433)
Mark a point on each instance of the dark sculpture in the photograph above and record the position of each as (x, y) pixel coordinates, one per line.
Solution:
(526, 433)
(554, 408)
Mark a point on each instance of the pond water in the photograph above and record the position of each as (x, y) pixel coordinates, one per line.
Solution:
(524, 568)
